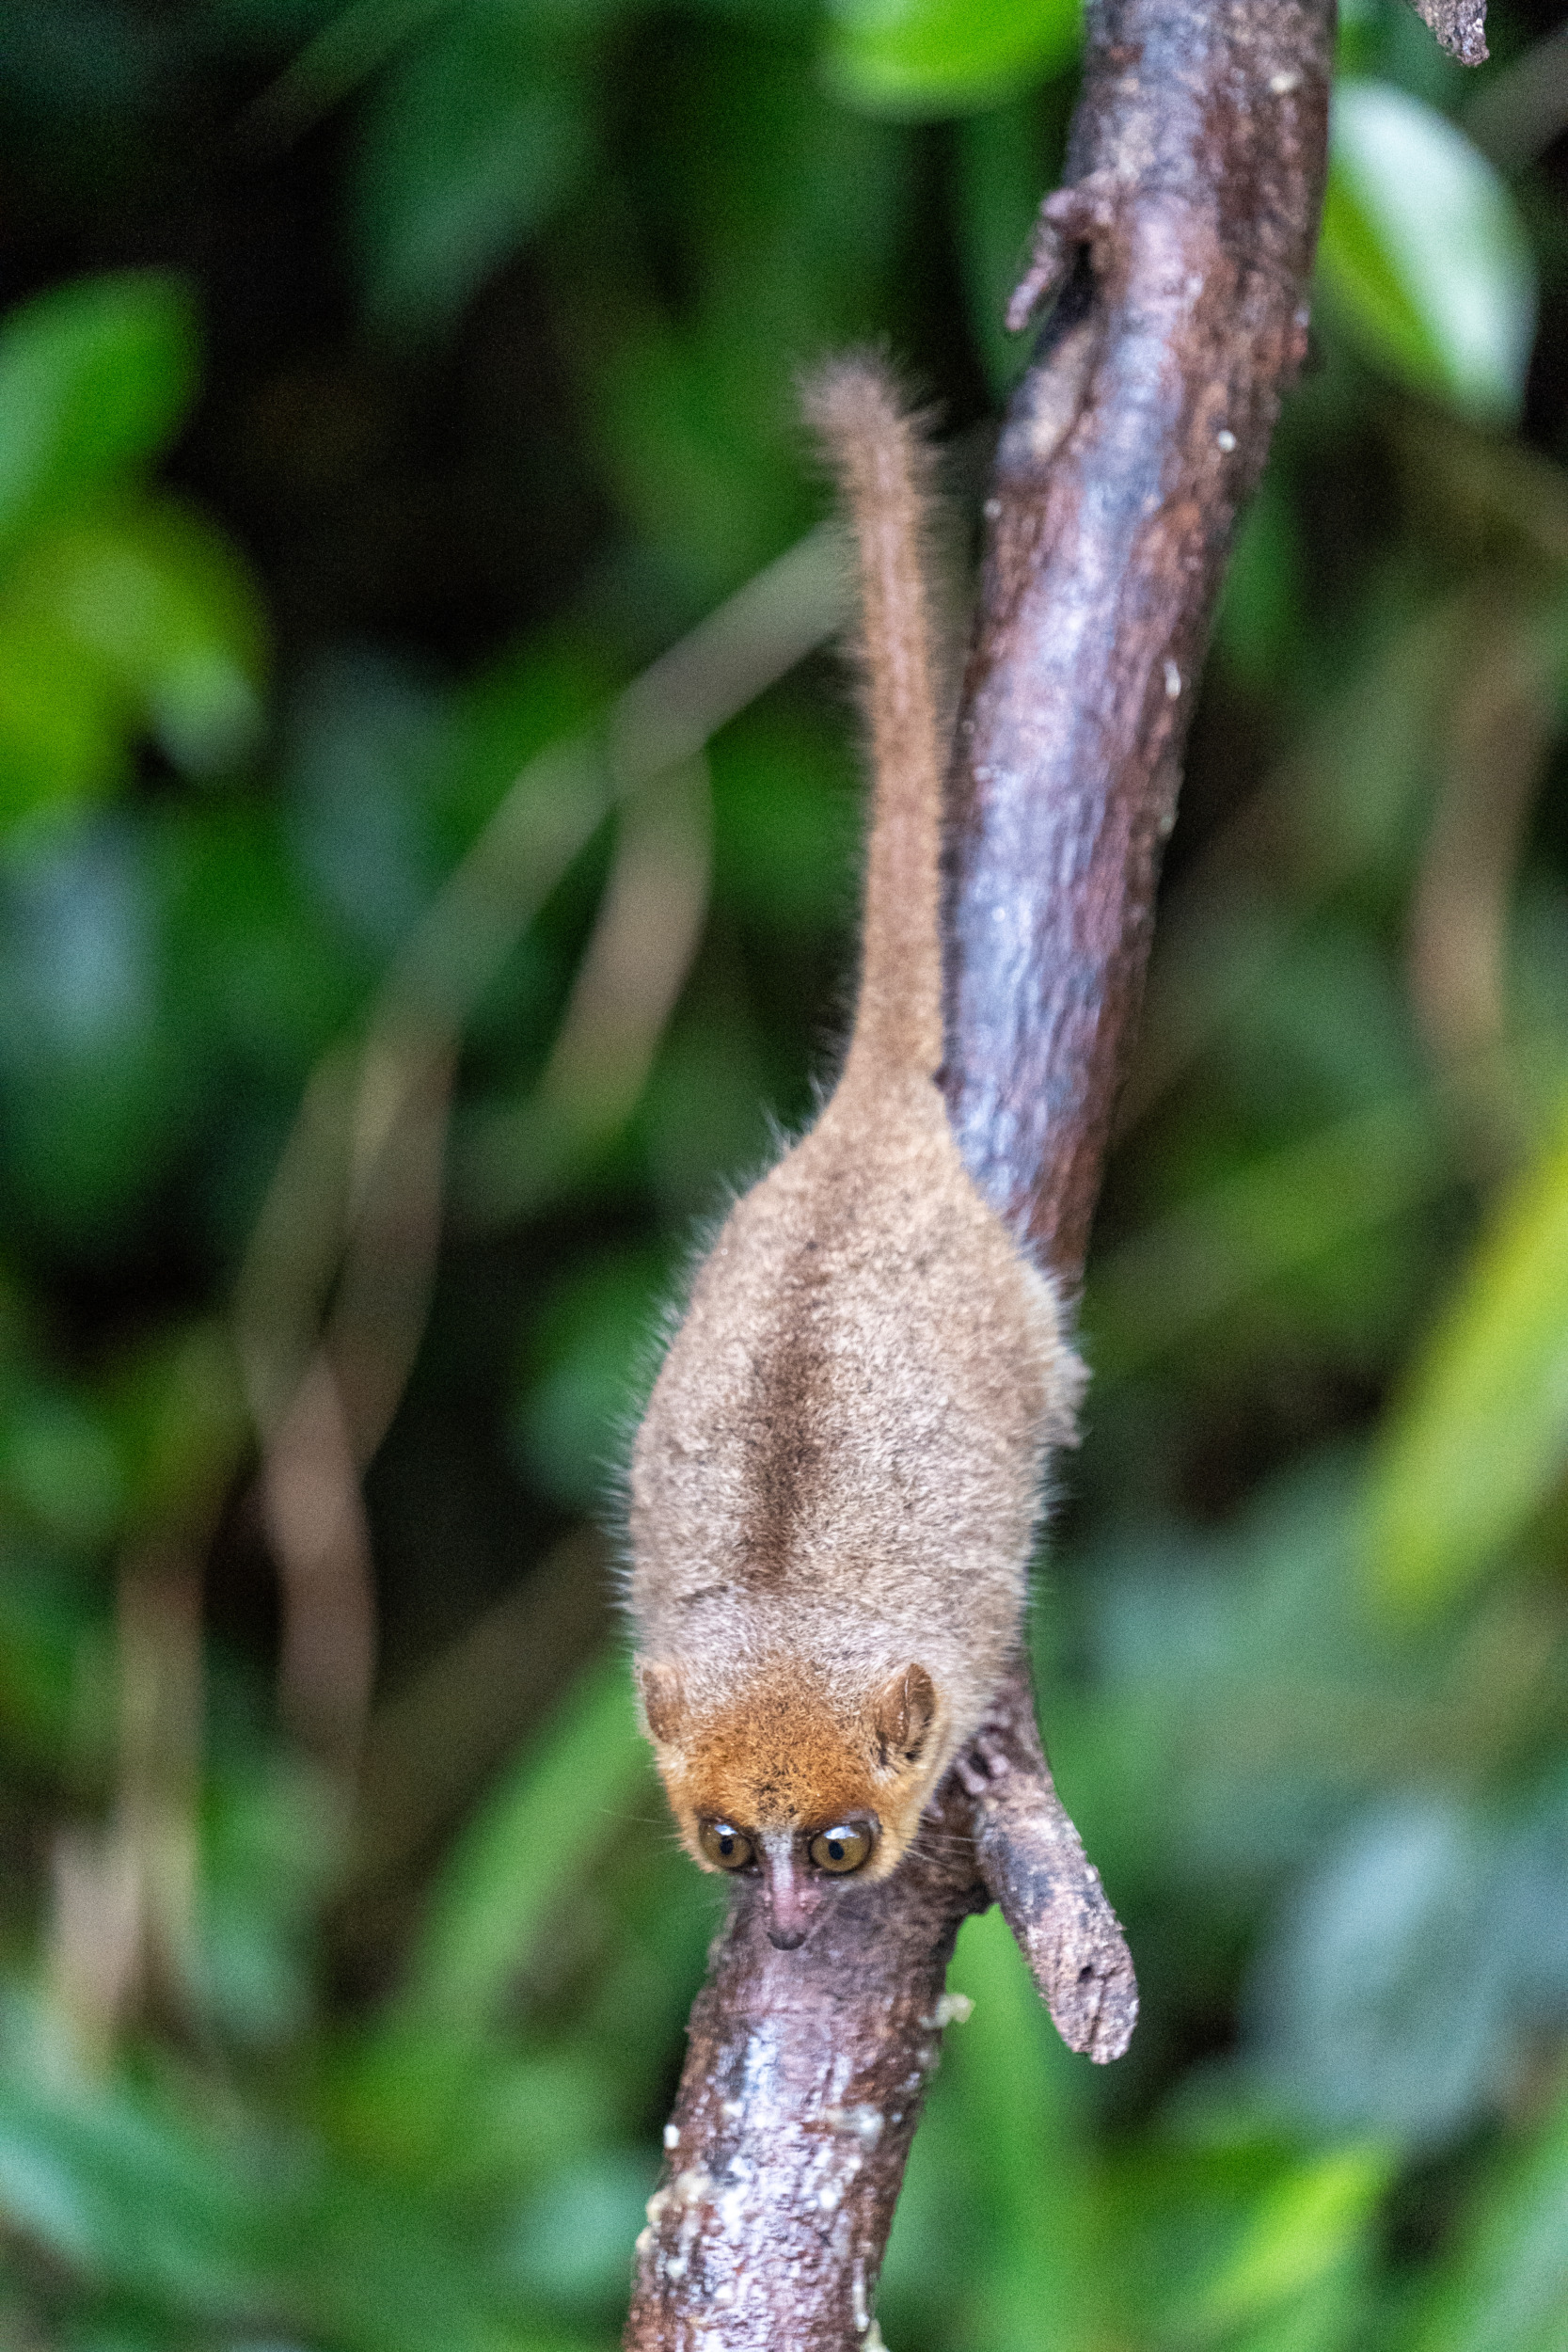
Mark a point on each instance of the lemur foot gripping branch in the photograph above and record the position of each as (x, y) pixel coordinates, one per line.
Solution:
(858, 1745)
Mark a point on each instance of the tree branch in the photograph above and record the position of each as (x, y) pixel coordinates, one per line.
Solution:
(1459, 25)
(1182, 250)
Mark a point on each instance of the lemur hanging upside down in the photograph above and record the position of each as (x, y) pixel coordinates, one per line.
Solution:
(835, 1488)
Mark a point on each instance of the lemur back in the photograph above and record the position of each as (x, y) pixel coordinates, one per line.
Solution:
(835, 1486)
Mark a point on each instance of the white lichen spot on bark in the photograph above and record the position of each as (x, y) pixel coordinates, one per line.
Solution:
(864, 2123)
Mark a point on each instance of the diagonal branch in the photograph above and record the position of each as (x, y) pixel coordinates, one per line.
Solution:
(1179, 254)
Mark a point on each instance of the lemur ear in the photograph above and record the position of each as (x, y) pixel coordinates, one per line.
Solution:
(905, 1709)
(663, 1709)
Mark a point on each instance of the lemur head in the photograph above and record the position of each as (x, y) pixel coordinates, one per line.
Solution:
(794, 1782)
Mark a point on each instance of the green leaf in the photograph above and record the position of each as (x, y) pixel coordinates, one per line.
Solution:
(916, 57)
(1508, 2291)
(95, 379)
(1479, 1440)
(159, 603)
(531, 1847)
(1424, 253)
(63, 722)
(472, 141)
(102, 2180)
(230, 2235)
(1306, 2225)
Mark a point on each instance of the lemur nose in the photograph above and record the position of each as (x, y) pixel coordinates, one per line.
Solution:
(790, 1903)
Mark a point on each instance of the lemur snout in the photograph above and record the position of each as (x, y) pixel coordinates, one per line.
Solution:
(790, 1902)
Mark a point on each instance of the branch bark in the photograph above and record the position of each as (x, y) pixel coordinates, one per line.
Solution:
(1180, 253)
(1459, 25)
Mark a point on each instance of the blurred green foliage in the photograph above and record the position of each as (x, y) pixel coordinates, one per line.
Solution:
(384, 386)
(122, 614)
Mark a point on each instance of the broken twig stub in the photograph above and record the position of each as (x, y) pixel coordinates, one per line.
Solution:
(1459, 25)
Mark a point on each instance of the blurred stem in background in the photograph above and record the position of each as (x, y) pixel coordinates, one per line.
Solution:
(123, 1930)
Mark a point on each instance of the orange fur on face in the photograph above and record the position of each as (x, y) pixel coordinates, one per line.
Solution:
(784, 1757)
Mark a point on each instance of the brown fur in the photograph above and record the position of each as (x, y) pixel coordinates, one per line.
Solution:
(835, 1486)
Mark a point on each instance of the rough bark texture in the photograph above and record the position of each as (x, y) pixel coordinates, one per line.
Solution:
(1459, 25)
(1181, 249)
(1183, 242)
(805, 2071)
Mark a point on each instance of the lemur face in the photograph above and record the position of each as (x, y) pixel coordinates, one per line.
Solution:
(793, 1784)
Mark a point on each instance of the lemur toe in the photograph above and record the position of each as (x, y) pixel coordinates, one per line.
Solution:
(982, 1763)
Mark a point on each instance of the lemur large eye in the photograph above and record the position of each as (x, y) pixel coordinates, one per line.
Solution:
(731, 1849)
(843, 1849)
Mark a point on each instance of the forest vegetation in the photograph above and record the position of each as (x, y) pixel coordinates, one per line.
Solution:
(416, 918)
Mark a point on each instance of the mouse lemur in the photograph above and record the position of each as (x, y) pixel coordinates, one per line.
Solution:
(835, 1486)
